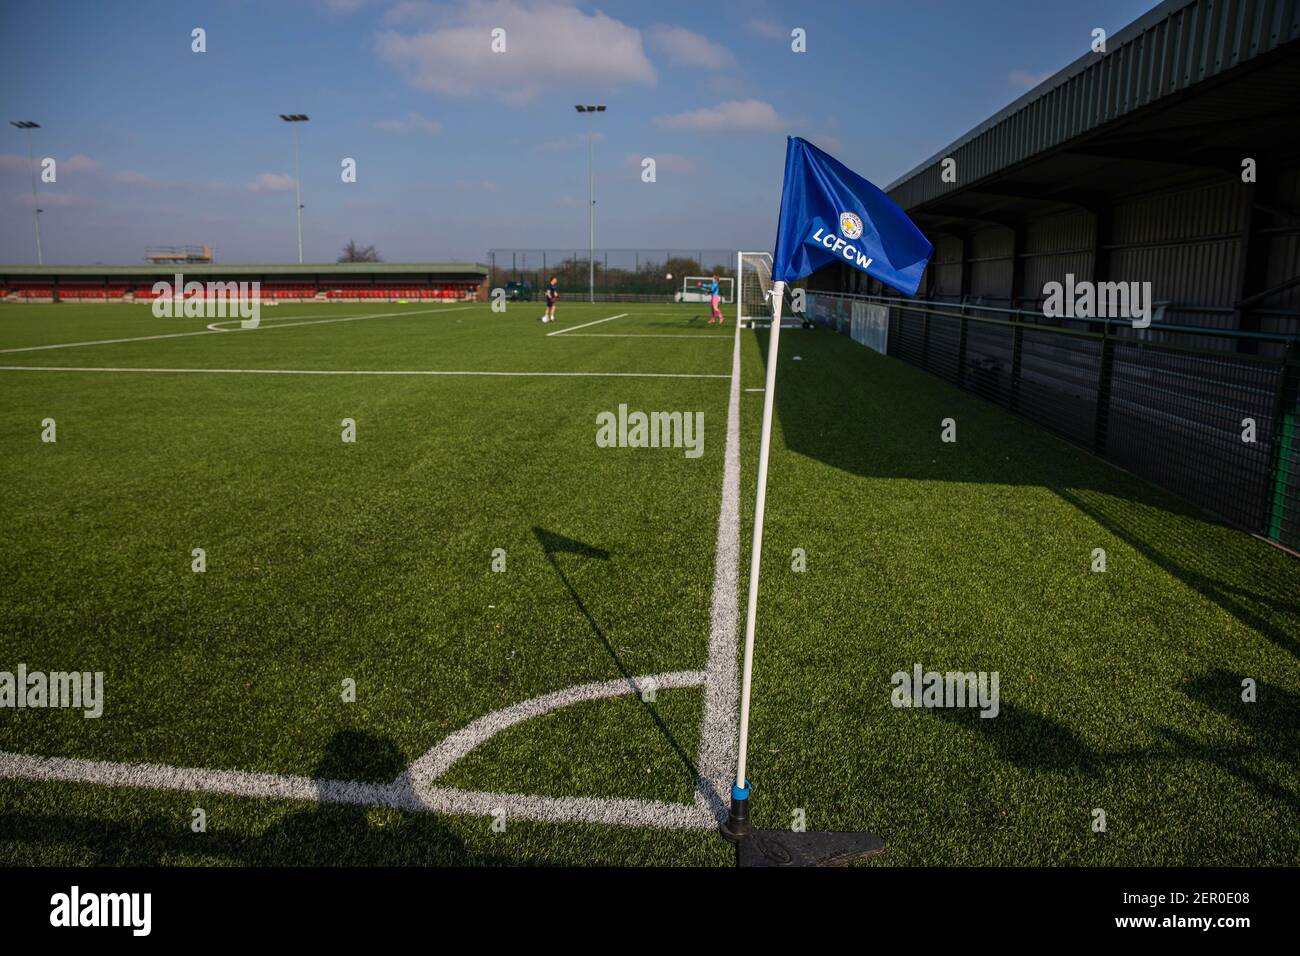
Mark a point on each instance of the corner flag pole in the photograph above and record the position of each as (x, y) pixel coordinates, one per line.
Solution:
(737, 826)
(829, 214)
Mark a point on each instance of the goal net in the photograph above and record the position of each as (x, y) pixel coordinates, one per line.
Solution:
(754, 295)
(696, 289)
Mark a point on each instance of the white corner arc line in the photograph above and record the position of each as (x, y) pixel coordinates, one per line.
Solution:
(439, 759)
(584, 325)
(412, 790)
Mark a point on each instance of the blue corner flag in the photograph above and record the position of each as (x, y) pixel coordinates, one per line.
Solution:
(831, 214)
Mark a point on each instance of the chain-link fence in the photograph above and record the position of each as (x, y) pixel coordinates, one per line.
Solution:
(1218, 428)
(613, 275)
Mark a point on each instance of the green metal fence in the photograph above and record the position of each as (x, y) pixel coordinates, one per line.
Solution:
(1215, 426)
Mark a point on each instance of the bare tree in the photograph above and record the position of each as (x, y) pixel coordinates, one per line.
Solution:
(354, 253)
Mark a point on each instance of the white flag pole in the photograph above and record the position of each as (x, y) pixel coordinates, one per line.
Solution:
(737, 826)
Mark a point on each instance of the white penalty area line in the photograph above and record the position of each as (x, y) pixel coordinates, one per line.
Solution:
(585, 325)
(335, 371)
(210, 330)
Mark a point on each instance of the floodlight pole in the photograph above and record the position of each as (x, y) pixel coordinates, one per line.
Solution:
(294, 118)
(297, 192)
(591, 217)
(591, 203)
(737, 825)
(28, 126)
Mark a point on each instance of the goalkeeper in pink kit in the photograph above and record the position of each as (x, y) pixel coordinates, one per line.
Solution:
(715, 314)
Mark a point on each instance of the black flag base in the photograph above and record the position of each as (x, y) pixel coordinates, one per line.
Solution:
(790, 847)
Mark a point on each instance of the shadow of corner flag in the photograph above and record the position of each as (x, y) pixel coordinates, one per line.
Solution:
(829, 214)
(554, 544)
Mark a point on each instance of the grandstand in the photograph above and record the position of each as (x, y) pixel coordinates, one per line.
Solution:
(346, 282)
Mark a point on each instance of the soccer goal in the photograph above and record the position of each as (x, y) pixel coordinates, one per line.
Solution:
(695, 289)
(754, 296)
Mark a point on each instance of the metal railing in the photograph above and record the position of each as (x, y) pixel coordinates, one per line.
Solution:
(1217, 427)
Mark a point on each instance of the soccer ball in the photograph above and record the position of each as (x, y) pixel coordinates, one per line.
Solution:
(669, 276)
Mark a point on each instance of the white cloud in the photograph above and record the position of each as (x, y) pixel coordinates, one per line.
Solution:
(80, 163)
(733, 116)
(14, 163)
(1026, 80)
(768, 29)
(271, 183)
(549, 45)
(413, 121)
(687, 48)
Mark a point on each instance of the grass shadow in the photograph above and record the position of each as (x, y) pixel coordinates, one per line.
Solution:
(554, 544)
(1035, 742)
(1254, 583)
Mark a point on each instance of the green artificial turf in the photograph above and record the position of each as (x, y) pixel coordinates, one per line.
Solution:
(371, 561)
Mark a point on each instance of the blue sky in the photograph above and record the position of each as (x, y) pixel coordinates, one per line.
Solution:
(460, 149)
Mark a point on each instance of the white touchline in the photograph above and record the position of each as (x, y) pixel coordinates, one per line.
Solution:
(363, 371)
(718, 728)
(586, 324)
(707, 337)
(270, 324)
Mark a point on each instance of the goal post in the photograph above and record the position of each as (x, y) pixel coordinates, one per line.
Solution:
(754, 292)
(695, 289)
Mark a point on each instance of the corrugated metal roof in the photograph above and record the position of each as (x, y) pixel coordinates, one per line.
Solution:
(1172, 47)
(310, 268)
